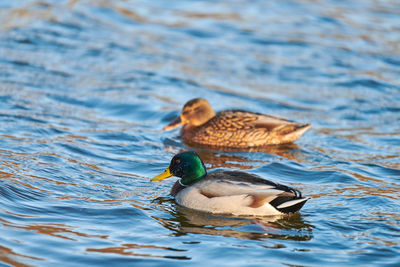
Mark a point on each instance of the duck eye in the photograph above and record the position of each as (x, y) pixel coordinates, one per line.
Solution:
(177, 161)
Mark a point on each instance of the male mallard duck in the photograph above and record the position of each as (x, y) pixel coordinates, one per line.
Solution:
(230, 192)
(233, 128)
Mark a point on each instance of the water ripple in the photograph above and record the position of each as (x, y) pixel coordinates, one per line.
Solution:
(86, 88)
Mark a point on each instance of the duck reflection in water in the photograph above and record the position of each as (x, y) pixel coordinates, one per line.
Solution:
(181, 221)
(245, 160)
(240, 158)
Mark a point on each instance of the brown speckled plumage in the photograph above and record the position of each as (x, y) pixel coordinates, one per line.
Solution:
(233, 128)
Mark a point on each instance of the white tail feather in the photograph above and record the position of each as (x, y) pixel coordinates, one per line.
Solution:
(292, 203)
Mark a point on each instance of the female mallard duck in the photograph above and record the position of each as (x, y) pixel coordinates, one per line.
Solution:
(229, 192)
(233, 128)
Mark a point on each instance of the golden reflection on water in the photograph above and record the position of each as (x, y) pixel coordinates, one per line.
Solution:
(54, 230)
(215, 16)
(9, 256)
(371, 239)
(6, 175)
(383, 188)
(361, 135)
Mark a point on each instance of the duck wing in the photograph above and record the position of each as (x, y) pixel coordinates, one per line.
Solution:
(238, 119)
(237, 128)
(257, 191)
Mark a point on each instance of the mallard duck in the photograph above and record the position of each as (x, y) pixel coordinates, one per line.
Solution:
(233, 128)
(228, 192)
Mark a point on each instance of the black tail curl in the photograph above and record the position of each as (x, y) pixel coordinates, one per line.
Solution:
(282, 199)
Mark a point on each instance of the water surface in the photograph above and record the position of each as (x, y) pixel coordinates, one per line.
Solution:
(87, 86)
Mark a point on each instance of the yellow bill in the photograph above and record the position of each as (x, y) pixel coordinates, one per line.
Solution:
(162, 176)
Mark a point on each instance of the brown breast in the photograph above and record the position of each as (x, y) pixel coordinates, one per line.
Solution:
(176, 188)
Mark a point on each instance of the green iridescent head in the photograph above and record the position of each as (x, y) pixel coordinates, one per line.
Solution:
(186, 165)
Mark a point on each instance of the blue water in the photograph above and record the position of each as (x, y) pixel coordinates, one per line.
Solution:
(87, 86)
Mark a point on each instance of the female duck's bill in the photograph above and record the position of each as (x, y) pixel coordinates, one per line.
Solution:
(233, 128)
(176, 123)
(228, 192)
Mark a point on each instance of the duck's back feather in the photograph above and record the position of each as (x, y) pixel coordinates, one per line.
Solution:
(237, 128)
